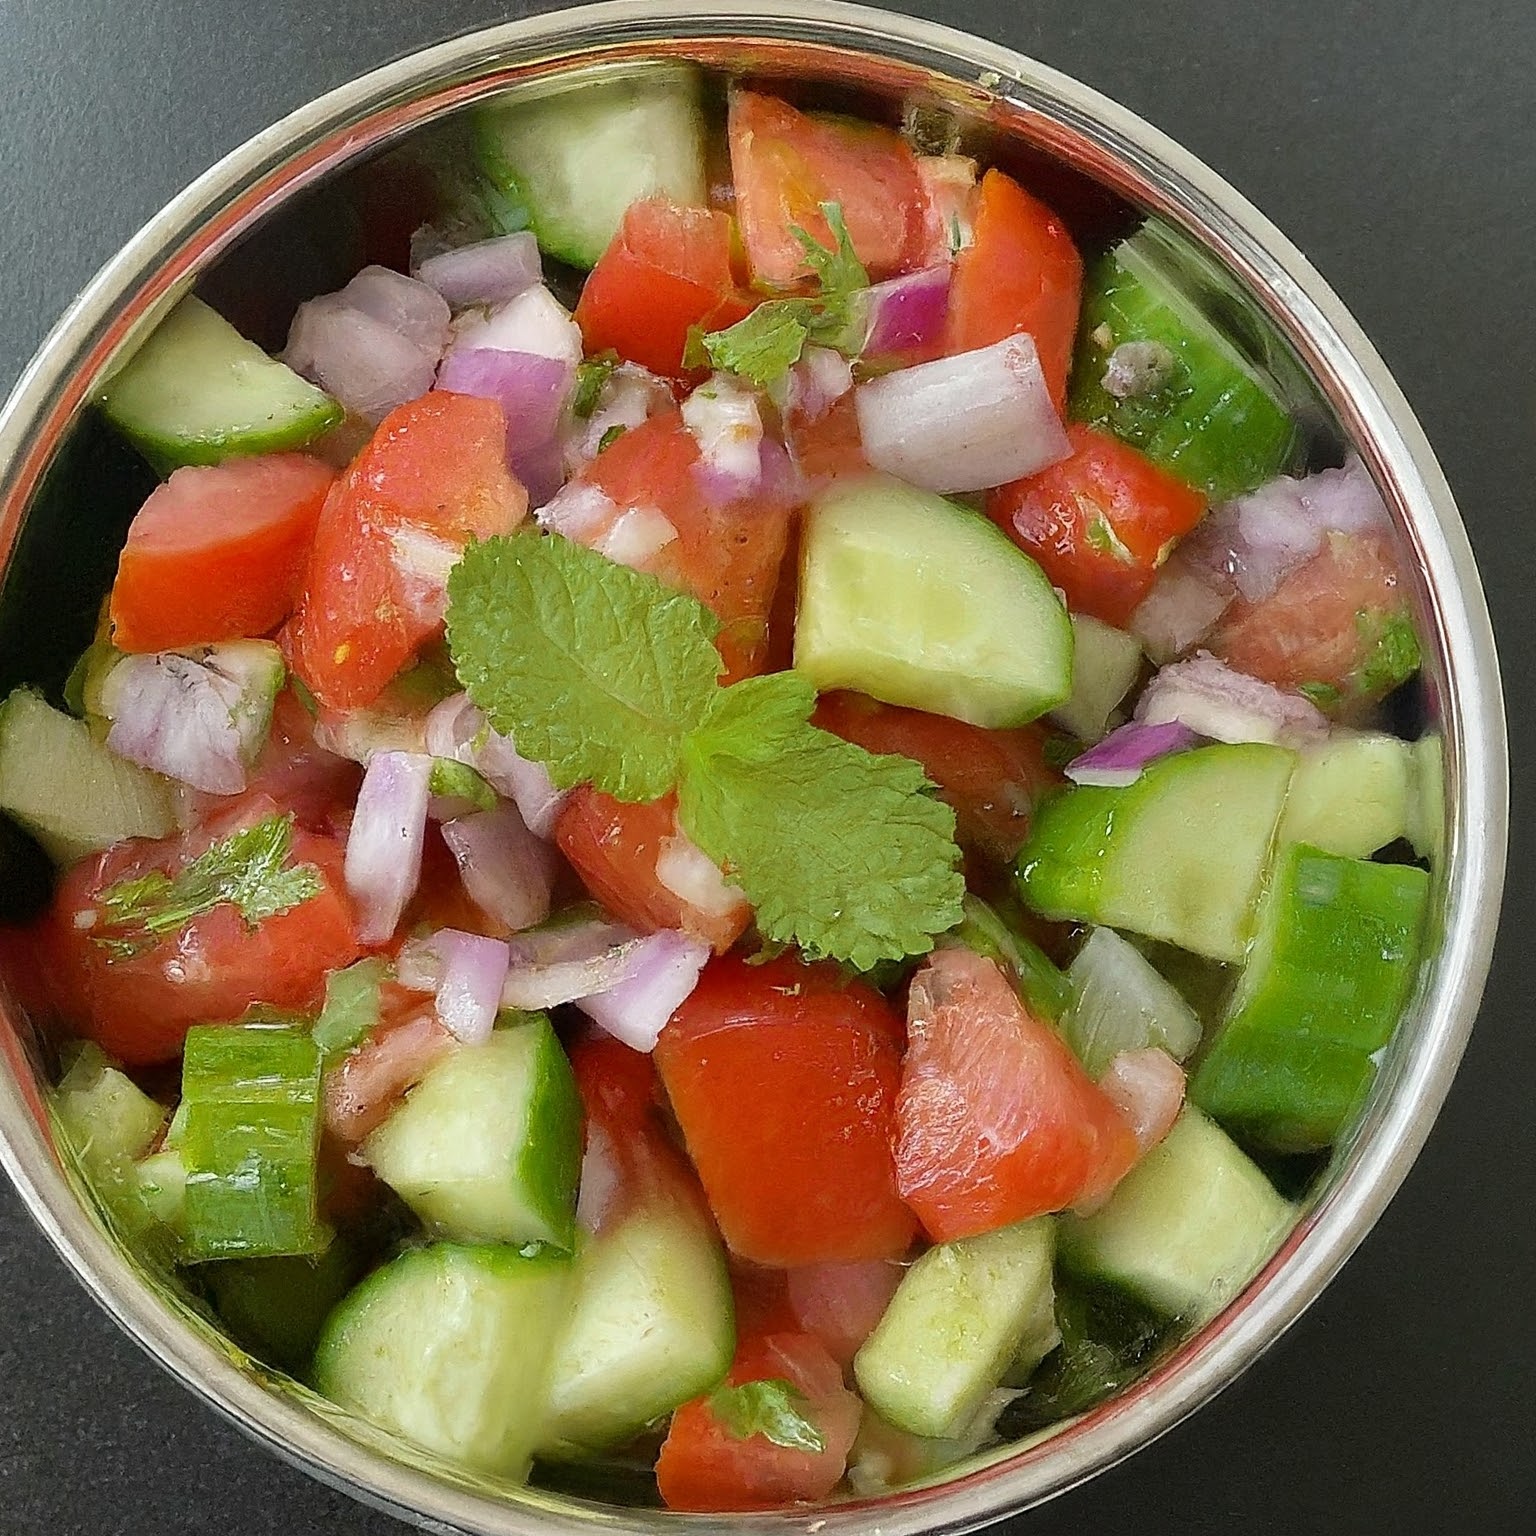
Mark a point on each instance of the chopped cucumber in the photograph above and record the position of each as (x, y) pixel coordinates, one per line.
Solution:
(449, 1347)
(913, 600)
(197, 392)
(885, 1458)
(1333, 962)
(996, 933)
(652, 1325)
(162, 1181)
(1217, 419)
(67, 789)
(578, 157)
(276, 1307)
(487, 1147)
(1186, 1228)
(1181, 854)
(1350, 795)
(954, 1328)
(1105, 665)
(1426, 805)
(1123, 1003)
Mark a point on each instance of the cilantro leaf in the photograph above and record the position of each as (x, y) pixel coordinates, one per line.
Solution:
(838, 269)
(839, 851)
(351, 1005)
(765, 345)
(591, 375)
(597, 671)
(249, 870)
(767, 1408)
(1324, 695)
(1394, 656)
(454, 780)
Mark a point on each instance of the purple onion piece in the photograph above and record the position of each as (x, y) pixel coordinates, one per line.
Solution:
(456, 729)
(507, 872)
(1209, 697)
(664, 972)
(963, 423)
(1118, 760)
(533, 984)
(469, 993)
(368, 367)
(488, 272)
(1182, 608)
(907, 311)
(409, 308)
(389, 824)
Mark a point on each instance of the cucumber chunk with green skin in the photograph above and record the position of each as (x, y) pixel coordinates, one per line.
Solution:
(197, 392)
(1426, 803)
(449, 1346)
(276, 1308)
(993, 931)
(106, 1115)
(487, 1147)
(1333, 963)
(913, 600)
(1180, 855)
(1105, 665)
(652, 1325)
(1351, 794)
(1214, 419)
(954, 1328)
(67, 789)
(579, 156)
(250, 1142)
(1186, 1228)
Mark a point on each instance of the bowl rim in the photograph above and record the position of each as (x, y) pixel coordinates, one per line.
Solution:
(1079, 123)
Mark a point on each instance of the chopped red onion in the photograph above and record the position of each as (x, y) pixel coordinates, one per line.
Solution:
(487, 272)
(963, 423)
(725, 422)
(368, 367)
(365, 1085)
(424, 561)
(469, 994)
(507, 871)
(695, 879)
(630, 396)
(1119, 759)
(389, 825)
(664, 971)
(904, 312)
(407, 307)
(1215, 700)
(639, 533)
(601, 1180)
(199, 720)
(1180, 611)
(815, 384)
(578, 512)
(548, 983)
(535, 322)
(1147, 1087)
(456, 729)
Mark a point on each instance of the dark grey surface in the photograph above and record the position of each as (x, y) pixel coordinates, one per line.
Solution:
(1395, 143)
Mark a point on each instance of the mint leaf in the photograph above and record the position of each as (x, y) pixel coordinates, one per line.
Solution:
(351, 1005)
(839, 851)
(597, 671)
(1394, 656)
(454, 780)
(767, 1408)
(765, 345)
(591, 375)
(249, 870)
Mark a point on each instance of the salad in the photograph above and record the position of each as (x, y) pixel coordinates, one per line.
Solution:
(745, 828)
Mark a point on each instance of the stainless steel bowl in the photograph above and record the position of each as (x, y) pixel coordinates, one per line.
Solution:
(241, 218)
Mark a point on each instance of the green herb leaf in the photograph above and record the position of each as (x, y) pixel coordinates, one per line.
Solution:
(839, 851)
(1324, 695)
(767, 1408)
(597, 671)
(458, 781)
(351, 1006)
(838, 268)
(1394, 656)
(611, 436)
(764, 346)
(591, 375)
(249, 869)
(1102, 536)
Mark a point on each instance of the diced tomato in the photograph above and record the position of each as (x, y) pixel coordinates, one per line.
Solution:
(841, 1303)
(829, 447)
(706, 1468)
(1322, 623)
(217, 552)
(1099, 523)
(295, 772)
(997, 1121)
(783, 1078)
(367, 1083)
(951, 192)
(432, 477)
(139, 1007)
(727, 556)
(441, 900)
(761, 1299)
(1021, 272)
(667, 270)
(786, 164)
(614, 845)
(993, 779)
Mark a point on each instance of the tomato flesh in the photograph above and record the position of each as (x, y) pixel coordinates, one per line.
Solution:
(139, 1007)
(1021, 272)
(706, 1468)
(997, 1122)
(217, 552)
(372, 1078)
(993, 779)
(614, 845)
(432, 477)
(667, 270)
(783, 1078)
(786, 164)
(841, 1303)
(727, 554)
(1099, 523)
